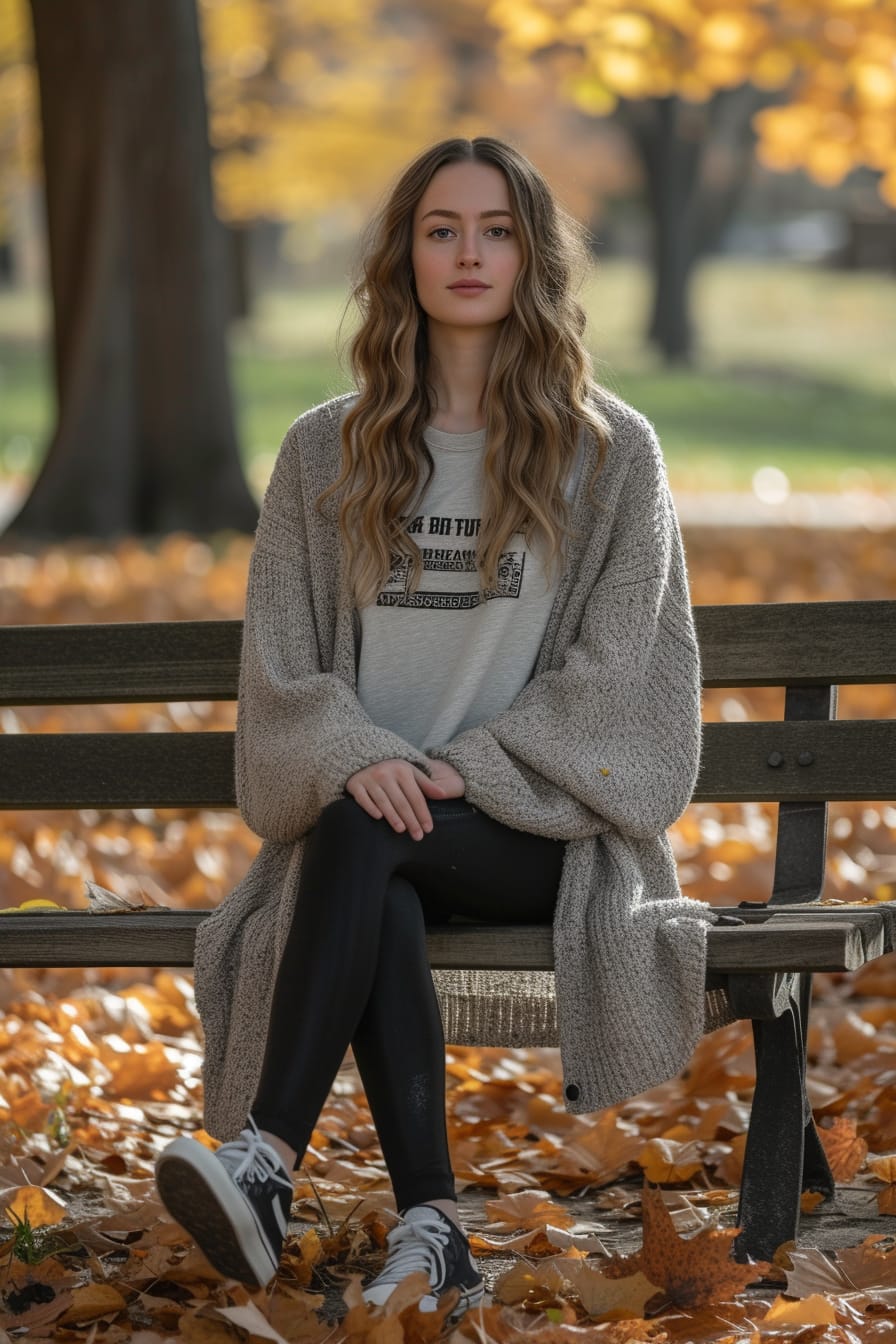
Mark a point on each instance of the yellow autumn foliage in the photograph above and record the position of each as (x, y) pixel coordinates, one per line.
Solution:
(835, 61)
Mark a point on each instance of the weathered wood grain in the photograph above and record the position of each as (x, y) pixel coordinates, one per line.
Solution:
(759, 644)
(166, 937)
(851, 759)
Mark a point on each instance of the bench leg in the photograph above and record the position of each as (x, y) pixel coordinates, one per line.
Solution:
(817, 1173)
(783, 1155)
(769, 1207)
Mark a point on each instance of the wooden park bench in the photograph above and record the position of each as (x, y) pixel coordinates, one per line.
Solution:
(761, 954)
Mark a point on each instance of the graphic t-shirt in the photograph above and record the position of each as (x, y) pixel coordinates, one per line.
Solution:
(438, 661)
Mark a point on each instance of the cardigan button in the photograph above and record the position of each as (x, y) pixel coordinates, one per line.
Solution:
(572, 1092)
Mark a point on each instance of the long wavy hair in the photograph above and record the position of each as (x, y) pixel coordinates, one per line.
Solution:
(539, 393)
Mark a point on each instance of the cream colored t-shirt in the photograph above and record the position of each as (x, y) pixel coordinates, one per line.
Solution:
(438, 661)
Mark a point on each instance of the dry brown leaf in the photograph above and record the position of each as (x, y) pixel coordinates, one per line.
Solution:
(247, 1317)
(883, 1166)
(41, 1207)
(871, 1264)
(527, 1209)
(844, 1149)
(534, 1243)
(294, 1314)
(205, 1329)
(813, 1310)
(579, 1239)
(666, 1162)
(537, 1286)
(731, 1168)
(602, 1296)
(853, 1038)
(864, 1268)
(91, 1302)
(811, 1271)
(41, 1314)
(691, 1272)
(504, 1325)
(602, 1151)
(165, 1312)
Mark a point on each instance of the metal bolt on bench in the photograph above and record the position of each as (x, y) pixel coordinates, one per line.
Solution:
(761, 954)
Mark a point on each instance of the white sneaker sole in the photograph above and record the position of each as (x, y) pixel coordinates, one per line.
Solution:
(198, 1192)
(470, 1297)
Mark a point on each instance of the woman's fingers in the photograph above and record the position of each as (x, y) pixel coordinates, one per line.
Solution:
(444, 788)
(363, 799)
(399, 783)
(402, 810)
(392, 790)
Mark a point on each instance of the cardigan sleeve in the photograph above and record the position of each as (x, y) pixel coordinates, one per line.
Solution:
(611, 737)
(301, 731)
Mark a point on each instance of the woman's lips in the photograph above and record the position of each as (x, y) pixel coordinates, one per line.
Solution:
(468, 289)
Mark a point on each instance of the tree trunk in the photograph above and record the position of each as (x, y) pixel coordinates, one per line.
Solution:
(670, 155)
(145, 439)
(690, 206)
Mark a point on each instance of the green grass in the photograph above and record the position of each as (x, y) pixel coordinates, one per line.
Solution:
(795, 369)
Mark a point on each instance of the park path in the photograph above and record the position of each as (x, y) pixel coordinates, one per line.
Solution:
(843, 510)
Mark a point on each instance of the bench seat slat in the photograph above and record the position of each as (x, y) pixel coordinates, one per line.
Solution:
(166, 937)
(853, 758)
(870, 920)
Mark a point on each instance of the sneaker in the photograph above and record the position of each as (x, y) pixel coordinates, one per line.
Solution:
(426, 1240)
(234, 1202)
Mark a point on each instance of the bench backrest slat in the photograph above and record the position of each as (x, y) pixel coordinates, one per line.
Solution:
(109, 770)
(139, 662)
(765, 644)
(853, 758)
(798, 643)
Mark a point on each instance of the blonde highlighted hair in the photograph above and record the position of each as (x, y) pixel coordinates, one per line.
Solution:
(539, 393)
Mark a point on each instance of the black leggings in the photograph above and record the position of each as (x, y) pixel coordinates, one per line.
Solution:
(355, 971)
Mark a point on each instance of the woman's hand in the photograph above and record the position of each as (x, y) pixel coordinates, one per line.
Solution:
(450, 779)
(398, 791)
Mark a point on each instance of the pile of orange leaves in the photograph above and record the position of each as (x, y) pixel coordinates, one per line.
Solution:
(615, 1226)
(97, 1079)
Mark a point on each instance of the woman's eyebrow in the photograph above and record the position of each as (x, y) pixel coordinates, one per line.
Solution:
(454, 214)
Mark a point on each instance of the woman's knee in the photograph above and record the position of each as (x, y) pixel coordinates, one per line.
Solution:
(344, 822)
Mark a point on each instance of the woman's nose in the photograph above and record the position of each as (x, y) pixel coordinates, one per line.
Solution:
(468, 252)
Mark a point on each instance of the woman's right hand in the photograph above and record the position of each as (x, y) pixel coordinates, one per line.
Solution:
(398, 790)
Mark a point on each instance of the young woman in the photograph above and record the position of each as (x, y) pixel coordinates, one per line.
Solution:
(470, 686)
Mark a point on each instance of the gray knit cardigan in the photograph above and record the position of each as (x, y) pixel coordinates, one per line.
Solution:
(600, 749)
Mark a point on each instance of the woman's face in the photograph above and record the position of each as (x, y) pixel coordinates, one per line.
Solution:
(466, 251)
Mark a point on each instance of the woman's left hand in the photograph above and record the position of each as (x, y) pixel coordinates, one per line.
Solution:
(450, 779)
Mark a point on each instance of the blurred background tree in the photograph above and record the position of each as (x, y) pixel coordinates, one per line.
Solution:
(700, 86)
(144, 440)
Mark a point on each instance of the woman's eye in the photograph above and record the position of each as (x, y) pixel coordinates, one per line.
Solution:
(500, 228)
